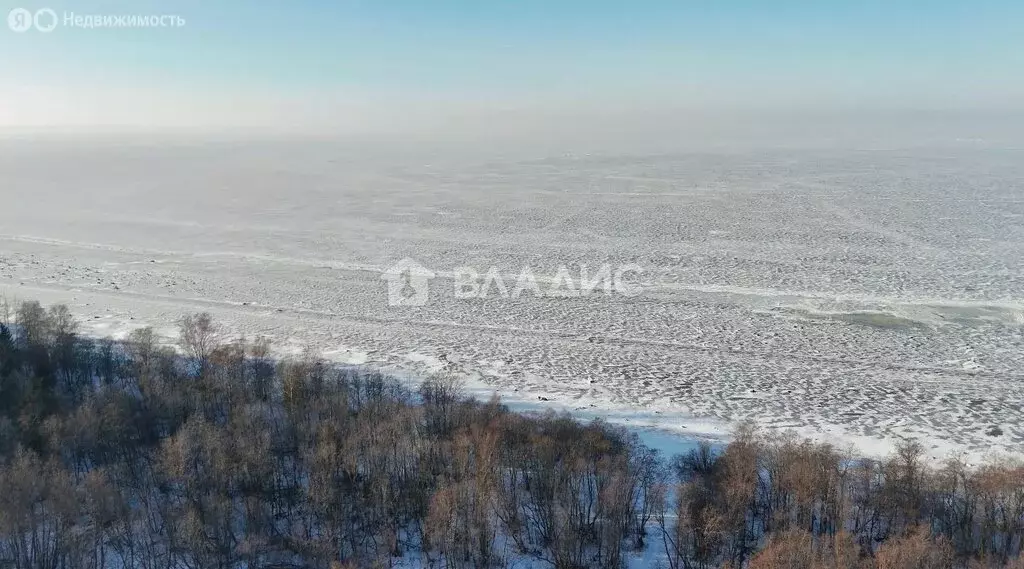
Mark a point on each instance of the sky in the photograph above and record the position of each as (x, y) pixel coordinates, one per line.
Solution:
(394, 65)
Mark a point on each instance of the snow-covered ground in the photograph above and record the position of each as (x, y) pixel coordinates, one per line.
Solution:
(853, 296)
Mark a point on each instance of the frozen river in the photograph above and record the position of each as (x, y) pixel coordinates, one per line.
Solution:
(855, 296)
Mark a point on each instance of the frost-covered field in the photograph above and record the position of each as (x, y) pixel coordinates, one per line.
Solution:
(854, 296)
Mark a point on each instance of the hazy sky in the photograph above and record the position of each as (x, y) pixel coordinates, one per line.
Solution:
(366, 65)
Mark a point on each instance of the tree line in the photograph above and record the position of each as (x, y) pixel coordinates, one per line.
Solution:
(212, 454)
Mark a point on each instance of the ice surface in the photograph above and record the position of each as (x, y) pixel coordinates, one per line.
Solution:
(855, 296)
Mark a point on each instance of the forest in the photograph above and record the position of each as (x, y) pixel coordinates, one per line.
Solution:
(211, 453)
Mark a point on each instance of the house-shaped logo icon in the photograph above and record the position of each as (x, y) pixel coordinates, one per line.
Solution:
(408, 283)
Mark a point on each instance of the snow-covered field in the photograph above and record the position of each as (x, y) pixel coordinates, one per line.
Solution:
(856, 296)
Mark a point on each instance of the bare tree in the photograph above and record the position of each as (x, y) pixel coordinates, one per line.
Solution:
(198, 337)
